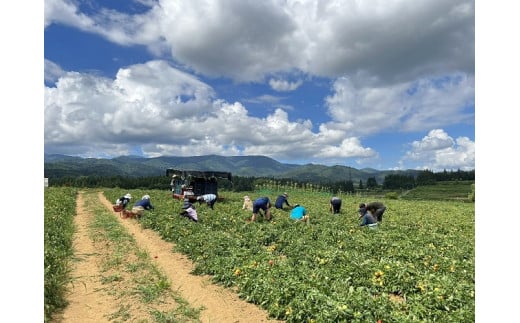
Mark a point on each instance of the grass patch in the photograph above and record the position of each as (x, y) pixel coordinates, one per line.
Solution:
(441, 191)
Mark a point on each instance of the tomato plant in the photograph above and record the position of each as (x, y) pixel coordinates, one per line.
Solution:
(418, 265)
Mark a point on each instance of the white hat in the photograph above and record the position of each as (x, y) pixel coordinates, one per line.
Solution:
(128, 196)
(146, 197)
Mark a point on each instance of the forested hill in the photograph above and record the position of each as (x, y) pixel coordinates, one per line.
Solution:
(57, 166)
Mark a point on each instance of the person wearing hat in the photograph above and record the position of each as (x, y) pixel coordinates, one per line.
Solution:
(210, 199)
(335, 205)
(299, 213)
(141, 205)
(124, 200)
(261, 203)
(248, 204)
(281, 200)
(188, 210)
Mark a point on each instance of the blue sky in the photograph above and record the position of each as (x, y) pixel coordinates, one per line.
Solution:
(380, 84)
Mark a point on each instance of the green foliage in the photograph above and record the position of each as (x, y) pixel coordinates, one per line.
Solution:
(455, 190)
(399, 181)
(418, 266)
(471, 195)
(371, 182)
(392, 195)
(426, 177)
(59, 210)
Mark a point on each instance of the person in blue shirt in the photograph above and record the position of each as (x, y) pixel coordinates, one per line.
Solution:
(366, 216)
(261, 203)
(280, 200)
(299, 213)
(376, 208)
(142, 205)
(210, 199)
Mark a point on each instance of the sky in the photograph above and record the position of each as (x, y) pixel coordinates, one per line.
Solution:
(365, 84)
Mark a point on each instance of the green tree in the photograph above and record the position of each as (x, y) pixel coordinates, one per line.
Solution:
(371, 182)
(426, 177)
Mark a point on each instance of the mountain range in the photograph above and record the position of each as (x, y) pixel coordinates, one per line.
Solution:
(56, 165)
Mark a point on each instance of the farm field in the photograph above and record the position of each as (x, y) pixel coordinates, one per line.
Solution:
(441, 191)
(418, 266)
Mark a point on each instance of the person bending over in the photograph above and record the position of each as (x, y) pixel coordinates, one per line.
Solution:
(299, 213)
(261, 203)
(281, 200)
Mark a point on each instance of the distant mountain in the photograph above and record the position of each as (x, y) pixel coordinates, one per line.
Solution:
(245, 166)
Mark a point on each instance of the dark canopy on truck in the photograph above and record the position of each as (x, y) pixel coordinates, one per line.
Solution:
(206, 175)
(189, 184)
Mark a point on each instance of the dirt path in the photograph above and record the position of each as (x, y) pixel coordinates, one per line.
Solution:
(86, 301)
(89, 304)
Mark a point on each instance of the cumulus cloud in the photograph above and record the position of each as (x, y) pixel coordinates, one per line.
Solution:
(120, 28)
(438, 151)
(410, 106)
(165, 111)
(248, 40)
(394, 66)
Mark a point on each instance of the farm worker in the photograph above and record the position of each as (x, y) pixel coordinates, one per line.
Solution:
(248, 204)
(188, 210)
(141, 205)
(261, 203)
(366, 217)
(210, 199)
(124, 200)
(186, 190)
(280, 200)
(376, 208)
(172, 183)
(299, 213)
(335, 205)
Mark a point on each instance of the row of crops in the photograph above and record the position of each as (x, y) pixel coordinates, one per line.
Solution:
(59, 210)
(418, 266)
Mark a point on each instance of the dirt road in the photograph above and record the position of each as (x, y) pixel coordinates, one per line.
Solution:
(90, 303)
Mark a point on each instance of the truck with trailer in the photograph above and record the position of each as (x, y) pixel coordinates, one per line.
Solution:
(190, 184)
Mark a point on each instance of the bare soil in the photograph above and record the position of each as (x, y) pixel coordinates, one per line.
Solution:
(89, 301)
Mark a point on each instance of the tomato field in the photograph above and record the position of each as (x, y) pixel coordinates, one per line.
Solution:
(417, 266)
(59, 209)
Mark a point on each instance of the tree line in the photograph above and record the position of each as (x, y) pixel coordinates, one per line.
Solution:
(243, 184)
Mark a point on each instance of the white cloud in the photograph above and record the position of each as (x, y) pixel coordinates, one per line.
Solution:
(167, 112)
(402, 107)
(248, 40)
(52, 71)
(438, 151)
(398, 67)
(284, 85)
(266, 98)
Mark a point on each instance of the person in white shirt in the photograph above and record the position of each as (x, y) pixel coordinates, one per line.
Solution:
(210, 199)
